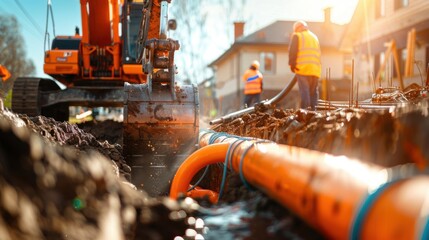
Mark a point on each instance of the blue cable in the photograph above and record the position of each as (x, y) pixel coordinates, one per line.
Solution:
(207, 132)
(240, 172)
(368, 202)
(200, 179)
(395, 174)
(215, 136)
(226, 163)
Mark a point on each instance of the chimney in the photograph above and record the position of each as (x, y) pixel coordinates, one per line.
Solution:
(327, 15)
(238, 30)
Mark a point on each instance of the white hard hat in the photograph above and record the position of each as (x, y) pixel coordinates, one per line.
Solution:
(299, 24)
(255, 64)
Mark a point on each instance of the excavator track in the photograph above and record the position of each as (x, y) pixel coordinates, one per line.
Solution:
(25, 96)
(28, 98)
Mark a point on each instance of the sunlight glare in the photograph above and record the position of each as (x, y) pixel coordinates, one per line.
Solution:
(342, 10)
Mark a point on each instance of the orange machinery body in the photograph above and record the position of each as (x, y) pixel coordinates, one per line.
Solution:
(4, 73)
(100, 53)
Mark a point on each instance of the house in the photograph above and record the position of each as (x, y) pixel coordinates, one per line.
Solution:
(269, 46)
(375, 25)
(207, 98)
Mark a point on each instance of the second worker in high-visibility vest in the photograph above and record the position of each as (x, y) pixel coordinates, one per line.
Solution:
(304, 61)
(253, 84)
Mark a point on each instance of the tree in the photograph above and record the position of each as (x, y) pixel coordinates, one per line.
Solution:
(204, 30)
(12, 52)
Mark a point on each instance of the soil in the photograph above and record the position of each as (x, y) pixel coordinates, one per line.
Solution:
(59, 182)
(67, 181)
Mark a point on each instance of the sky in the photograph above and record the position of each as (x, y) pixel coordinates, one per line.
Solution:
(31, 15)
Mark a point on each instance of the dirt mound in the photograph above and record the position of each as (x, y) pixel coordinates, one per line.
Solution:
(64, 133)
(51, 189)
(381, 137)
(109, 130)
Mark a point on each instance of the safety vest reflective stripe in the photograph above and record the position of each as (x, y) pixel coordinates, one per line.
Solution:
(252, 78)
(308, 57)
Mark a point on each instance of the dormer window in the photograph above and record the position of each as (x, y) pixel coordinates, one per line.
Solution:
(401, 4)
(380, 8)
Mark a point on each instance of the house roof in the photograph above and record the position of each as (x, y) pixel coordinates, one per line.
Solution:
(279, 32)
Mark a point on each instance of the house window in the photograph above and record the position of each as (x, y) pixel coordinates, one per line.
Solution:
(380, 8)
(347, 68)
(267, 62)
(401, 4)
(378, 62)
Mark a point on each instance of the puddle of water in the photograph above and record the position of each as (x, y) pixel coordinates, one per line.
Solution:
(240, 221)
(227, 222)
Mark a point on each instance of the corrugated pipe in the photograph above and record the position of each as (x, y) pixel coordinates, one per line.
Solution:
(342, 198)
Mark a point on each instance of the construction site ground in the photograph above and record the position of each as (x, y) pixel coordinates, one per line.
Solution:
(66, 181)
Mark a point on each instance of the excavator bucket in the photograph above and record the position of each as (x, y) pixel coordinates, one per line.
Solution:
(160, 131)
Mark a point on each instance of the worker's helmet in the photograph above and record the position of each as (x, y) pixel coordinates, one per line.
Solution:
(255, 64)
(299, 25)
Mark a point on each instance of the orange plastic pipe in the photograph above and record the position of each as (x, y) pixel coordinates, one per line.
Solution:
(198, 192)
(326, 191)
(195, 162)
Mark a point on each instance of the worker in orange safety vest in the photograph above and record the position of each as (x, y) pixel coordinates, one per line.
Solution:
(304, 61)
(253, 84)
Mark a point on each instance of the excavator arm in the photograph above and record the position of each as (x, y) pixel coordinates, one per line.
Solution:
(161, 118)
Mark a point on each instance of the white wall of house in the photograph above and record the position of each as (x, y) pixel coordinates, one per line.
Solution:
(229, 72)
(334, 60)
(363, 69)
(282, 75)
(275, 80)
(226, 77)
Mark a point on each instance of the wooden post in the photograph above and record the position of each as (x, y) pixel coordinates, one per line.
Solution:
(391, 48)
(409, 63)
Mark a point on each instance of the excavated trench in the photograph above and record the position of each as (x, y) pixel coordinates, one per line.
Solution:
(65, 181)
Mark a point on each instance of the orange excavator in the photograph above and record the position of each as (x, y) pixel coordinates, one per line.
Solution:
(123, 58)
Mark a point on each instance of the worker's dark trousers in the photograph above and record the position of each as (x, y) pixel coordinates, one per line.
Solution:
(308, 89)
(251, 99)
